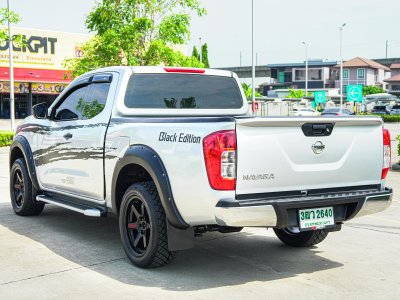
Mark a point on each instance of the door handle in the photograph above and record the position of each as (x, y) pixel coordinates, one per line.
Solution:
(67, 136)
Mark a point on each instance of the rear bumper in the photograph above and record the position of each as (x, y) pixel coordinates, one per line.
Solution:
(376, 203)
(280, 213)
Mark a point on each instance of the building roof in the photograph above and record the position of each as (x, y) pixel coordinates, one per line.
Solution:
(359, 62)
(395, 66)
(311, 63)
(394, 78)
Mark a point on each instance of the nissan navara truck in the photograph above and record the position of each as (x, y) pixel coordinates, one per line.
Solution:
(175, 153)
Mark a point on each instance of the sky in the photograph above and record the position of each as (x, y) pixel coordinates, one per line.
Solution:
(280, 27)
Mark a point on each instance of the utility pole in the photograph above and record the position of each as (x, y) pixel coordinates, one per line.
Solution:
(10, 48)
(341, 66)
(240, 58)
(306, 91)
(253, 68)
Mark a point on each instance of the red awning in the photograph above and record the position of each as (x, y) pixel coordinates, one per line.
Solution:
(35, 75)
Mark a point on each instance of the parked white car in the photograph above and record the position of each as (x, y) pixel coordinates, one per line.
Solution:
(303, 111)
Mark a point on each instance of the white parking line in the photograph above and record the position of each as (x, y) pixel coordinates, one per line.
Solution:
(385, 219)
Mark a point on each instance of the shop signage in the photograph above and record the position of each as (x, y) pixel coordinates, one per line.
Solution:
(33, 44)
(37, 88)
(43, 49)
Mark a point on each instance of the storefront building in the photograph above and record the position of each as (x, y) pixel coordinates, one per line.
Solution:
(39, 74)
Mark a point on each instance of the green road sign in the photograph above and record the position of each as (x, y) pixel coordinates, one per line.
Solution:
(354, 93)
(320, 97)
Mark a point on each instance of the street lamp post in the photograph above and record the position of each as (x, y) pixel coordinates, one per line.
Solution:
(387, 44)
(306, 91)
(10, 48)
(341, 66)
(201, 52)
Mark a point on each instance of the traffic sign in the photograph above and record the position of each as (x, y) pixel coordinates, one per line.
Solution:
(354, 93)
(320, 96)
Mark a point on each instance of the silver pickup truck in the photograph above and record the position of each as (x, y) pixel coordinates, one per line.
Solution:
(174, 153)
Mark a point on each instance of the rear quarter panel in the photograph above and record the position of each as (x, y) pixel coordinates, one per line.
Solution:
(184, 161)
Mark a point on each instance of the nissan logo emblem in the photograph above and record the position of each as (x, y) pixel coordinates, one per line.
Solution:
(318, 147)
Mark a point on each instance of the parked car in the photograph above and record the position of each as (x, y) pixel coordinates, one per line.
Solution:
(173, 153)
(395, 110)
(303, 111)
(380, 110)
(337, 111)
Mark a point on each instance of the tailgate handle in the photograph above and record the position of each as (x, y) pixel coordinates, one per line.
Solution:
(320, 129)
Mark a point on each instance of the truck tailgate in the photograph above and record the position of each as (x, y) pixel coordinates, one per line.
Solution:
(274, 154)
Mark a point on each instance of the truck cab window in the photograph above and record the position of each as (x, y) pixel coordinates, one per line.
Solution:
(84, 103)
(179, 91)
(95, 100)
(67, 110)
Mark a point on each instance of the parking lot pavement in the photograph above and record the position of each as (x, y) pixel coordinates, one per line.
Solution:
(67, 255)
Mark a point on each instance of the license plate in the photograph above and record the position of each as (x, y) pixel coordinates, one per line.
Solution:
(316, 218)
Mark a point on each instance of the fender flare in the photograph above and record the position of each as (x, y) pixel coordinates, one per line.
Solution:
(22, 144)
(147, 158)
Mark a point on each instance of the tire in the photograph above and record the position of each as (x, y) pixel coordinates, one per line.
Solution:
(143, 226)
(293, 237)
(22, 192)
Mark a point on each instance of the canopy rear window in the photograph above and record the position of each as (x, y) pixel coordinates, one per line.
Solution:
(182, 91)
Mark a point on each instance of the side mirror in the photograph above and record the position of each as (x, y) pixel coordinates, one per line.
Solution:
(39, 111)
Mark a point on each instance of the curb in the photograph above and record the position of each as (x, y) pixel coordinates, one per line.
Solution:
(4, 149)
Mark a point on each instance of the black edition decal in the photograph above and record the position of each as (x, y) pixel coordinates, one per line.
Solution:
(179, 138)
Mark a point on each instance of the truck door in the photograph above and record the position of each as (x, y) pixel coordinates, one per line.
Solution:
(72, 149)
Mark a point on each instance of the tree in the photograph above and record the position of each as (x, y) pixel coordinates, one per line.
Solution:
(195, 53)
(204, 55)
(137, 32)
(14, 18)
(89, 109)
(371, 89)
(297, 94)
(248, 91)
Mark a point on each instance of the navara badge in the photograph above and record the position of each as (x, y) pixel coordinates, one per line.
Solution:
(318, 147)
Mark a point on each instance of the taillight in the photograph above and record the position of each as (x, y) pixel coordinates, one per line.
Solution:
(220, 157)
(386, 153)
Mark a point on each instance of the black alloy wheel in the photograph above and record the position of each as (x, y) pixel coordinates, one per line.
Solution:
(19, 188)
(143, 226)
(22, 192)
(138, 226)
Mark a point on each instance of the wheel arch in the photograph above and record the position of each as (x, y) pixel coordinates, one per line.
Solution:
(144, 160)
(20, 148)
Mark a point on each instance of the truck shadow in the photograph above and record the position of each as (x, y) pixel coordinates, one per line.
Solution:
(217, 260)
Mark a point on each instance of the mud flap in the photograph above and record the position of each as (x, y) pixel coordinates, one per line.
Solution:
(180, 239)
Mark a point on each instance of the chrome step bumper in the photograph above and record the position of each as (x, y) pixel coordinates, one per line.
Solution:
(283, 212)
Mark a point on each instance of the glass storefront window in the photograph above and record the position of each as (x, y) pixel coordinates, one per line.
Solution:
(313, 74)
